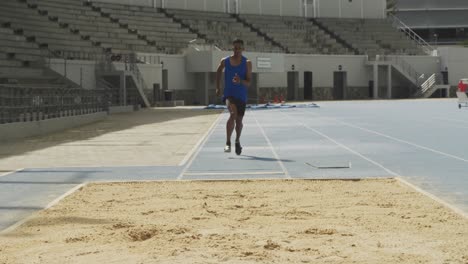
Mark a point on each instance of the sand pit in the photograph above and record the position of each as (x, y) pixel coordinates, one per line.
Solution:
(275, 221)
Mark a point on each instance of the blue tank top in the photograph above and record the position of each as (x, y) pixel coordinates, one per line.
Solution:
(238, 91)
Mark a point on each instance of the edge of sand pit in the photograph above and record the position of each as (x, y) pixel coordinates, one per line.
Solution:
(433, 197)
(449, 206)
(54, 202)
(78, 187)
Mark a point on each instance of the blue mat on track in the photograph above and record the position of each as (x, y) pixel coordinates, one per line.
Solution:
(267, 106)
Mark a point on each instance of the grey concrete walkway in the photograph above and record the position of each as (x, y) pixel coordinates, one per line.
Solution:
(153, 137)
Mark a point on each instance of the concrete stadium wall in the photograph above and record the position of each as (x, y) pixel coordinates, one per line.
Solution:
(192, 77)
(456, 61)
(20, 130)
(426, 65)
(121, 109)
(273, 81)
(322, 67)
(374, 9)
(152, 73)
(351, 9)
(431, 4)
(179, 80)
(80, 72)
(83, 72)
(317, 8)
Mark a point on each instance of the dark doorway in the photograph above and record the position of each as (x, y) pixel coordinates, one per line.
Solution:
(339, 85)
(293, 85)
(371, 89)
(165, 80)
(308, 92)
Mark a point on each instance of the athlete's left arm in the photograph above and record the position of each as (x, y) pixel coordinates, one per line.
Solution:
(248, 76)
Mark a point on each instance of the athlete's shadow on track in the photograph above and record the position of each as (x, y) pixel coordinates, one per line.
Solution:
(247, 157)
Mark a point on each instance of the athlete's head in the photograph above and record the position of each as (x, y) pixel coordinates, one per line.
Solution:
(238, 47)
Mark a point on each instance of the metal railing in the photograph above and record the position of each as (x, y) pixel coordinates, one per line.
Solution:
(194, 44)
(138, 77)
(35, 102)
(20, 104)
(417, 77)
(422, 83)
(396, 22)
(130, 62)
(429, 83)
(29, 102)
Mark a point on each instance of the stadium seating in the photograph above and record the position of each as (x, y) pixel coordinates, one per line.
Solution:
(221, 28)
(75, 26)
(90, 24)
(20, 59)
(40, 28)
(153, 25)
(371, 36)
(16, 50)
(31, 31)
(296, 34)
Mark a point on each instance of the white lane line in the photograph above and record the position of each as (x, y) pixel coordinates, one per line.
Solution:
(54, 202)
(345, 147)
(433, 197)
(233, 173)
(199, 148)
(394, 138)
(400, 178)
(72, 190)
(400, 140)
(11, 172)
(286, 173)
(192, 151)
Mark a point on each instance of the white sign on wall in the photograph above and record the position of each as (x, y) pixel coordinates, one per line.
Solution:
(263, 63)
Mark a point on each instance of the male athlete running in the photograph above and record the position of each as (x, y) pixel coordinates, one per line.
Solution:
(237, 76)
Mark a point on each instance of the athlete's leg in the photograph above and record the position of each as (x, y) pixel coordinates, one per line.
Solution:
(231, 121)
(239, 126)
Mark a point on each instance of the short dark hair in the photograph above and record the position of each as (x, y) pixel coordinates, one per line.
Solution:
(238, 41)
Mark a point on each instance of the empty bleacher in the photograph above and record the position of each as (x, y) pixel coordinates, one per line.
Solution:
(371, 36)
(79, 17)
(296, 34)
(27, 87)
(16, 50)
(22, 64)
(221, 28)
(94, 27)
(20, 60)
(40, 28)
(153, 25)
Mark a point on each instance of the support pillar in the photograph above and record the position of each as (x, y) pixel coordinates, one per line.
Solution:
(376, 80)
(389, 82)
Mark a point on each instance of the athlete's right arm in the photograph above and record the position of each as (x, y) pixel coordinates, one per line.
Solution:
(218, 76)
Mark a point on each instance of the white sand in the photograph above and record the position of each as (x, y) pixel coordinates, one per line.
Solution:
(277, 221)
